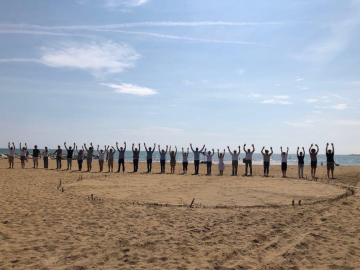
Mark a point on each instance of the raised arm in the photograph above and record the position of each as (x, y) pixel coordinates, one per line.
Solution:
(281, 149)
(175, 150)
(297, 152)
(145, 147)
(25, 146)
(76, 150)
(166, 149)
(154, 148)
(9, 145)
(244, 148)
(98, 149)
(124, 146)
(191, 147)
(188, 151)
(303, 151)
(65, 146)
(139, 147)
(74, 146)
(326, 150)
(213, 152)
(202, 148)
(132, 147)
(117, 146)
(13, 144)
(182, 150)
(86, 147)
(287, 152)
(317, 151)
(253, 148)
(333, 148)
(218, 153)
(310, 148)
(262, 150)
(159, 148)
(239, 150)
(229, 150)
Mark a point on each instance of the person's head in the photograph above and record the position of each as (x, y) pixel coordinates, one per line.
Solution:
(301, 153)
(81, 151)
(209, 152)
(46, 148)
(197, 149)
(266, 151)
(248, 150)
(24, 148)
(221, 155)
(313, 150)
(11, 148)
(101, 151)
(149, 148)
(329, 151)
(35, 146)
(235, 152)
(135, 149)
(163, 151)
(59, 146)
(70, 147)
(173, 152)
(90, 148)
(110, 150)
(121, 148)
(283, 153)
(185, 154)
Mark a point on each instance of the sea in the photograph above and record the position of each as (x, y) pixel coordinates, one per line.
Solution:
(342, 160)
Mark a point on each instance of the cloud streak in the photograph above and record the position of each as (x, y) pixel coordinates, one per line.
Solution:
(131, 89)
(335, 107)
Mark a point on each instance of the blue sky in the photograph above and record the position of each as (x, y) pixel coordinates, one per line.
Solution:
(172, 72)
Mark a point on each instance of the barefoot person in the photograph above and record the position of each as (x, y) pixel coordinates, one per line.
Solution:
(149, 155)
(89, 156)
(101, 157)
(58, 153)
(172, 159)
(80, 157)
(36, 155)
(110, 157)
(235, 160)
(284, 156)
(162, 159)
(221, 166)
(69, 156)
(121, 160)
(330, 163)
(185, 163)
(23, 152)
(209, 156)
(11, 155)
(313, 156)
(196, 157)
(266, 157)
(45, 155)
(248, 159)
(136, 154)
(301, 162)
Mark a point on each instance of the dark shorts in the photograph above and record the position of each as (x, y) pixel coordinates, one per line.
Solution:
(330, 166)
(284, 166)
(89, 161)
(22, 158)
(313, 164)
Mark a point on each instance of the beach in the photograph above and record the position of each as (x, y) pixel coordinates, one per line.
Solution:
(143, 221)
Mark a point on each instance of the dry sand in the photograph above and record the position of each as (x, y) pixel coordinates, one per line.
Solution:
(44, 228)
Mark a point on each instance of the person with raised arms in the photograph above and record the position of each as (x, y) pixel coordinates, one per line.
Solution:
(23, 152)
(330, 162)
(149, 155)
(89, 156)
(136, 154)
(221, 166)
(301, 162)
(185, 163)
(313, 156)
(196, 157)
(58, 153)
(248, 159)
(45, 155)
(121, 160)
(101, 157)
(110, 157)
(208, 161)
(69, 156)
(266, 157)
(36, 155)
(172, 159)
(80, 157)
(11, 155)
(162, 159)
(235, 160)
(284, 156)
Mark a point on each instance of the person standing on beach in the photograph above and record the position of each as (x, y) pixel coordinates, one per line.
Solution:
(36, 155)
(248, 159)
(101, 158)
(330, 162)
(313, 156)
(23, 152)
(136, 154)
(221, 166)
(185, 156)
(89, 156)
(11, 155)
(149, 154)
(69, 156)
(58, 153)
(208, 161)
(121, 160)
(172, 159)
(301, 162)
(284, 156)
(196, 157)
(235, 160)
(162, 159)
(80, 157)
(266, 157)
(45, 155)
(110, 157)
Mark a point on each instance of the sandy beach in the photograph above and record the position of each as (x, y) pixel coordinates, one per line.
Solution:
(143, 221)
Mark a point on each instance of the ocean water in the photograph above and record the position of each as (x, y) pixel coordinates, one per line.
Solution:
(342, 160)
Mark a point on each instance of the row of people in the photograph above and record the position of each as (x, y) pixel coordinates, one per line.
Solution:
(110, 152)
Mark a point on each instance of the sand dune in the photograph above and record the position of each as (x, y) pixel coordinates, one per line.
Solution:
(44, 228)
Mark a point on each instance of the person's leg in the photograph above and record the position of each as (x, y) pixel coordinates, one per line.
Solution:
(332, 173)
(137, 165)
(302, 171)
(250, 167)
(246, 166)
(210, 166)
(236, 167)
(233, 168)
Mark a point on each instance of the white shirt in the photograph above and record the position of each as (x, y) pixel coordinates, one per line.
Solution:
(283, 158)
(23, 153)
(209, 157)
(185, 158)
(11, 153)
(248, 155)
(45, 154)
(235, 156)
(101, 155)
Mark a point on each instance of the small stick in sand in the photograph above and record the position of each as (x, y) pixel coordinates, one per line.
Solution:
(293, 202)
(299, 202)
(192, 203)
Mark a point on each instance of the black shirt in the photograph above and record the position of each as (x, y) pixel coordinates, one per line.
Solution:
(330, 157)
(36, 152)
(70, 153)
(301, 160)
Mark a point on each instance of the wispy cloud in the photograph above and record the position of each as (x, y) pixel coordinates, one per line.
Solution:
(276, 101)
(131, 89)
(99, 59)
(254, 95)
(318, 112)
(240, 71)
(45, 33)
(338, 96)
(281, 97)
(310, 100)
(335, 107)
(298, 79)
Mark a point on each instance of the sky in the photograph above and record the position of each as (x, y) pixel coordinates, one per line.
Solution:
(173, 72)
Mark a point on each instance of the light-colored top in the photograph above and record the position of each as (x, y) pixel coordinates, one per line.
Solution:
(11, 153)
(111, 155)
(185, 158)
(45, 153)
(266, 157)
(196, 155)
(234, 156)
(149, 154)
(101, 155)
(121, 154)
(284, 158)
(80, 156)
(221, 160)
(23, 153)
(209, 157)
(248, 155)
(162, 156)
